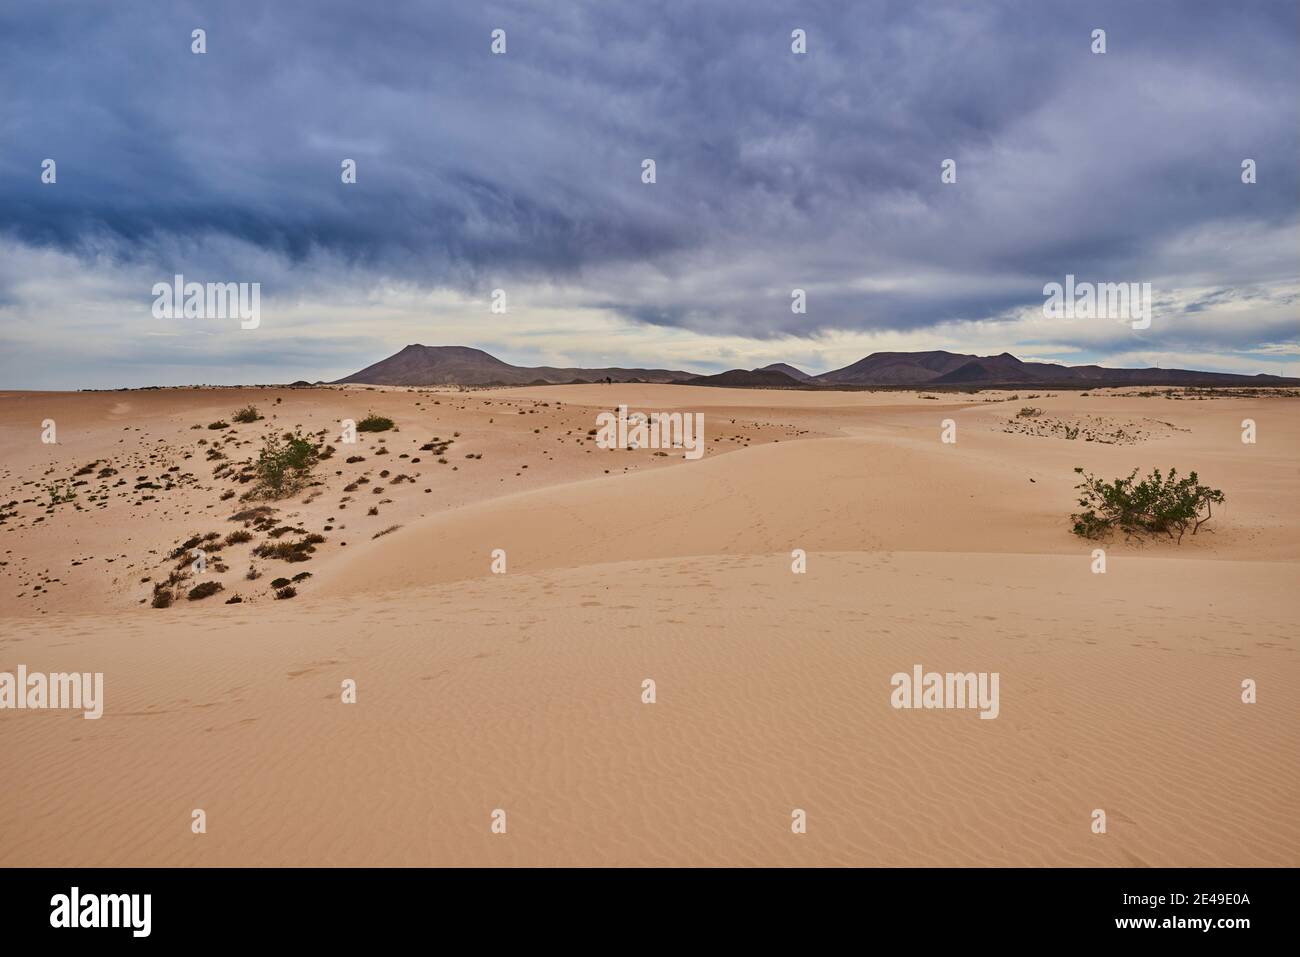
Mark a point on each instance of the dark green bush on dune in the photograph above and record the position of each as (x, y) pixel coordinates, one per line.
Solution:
(284, 463)
(1157, 504)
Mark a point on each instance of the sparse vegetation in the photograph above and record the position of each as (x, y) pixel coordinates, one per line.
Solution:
(203, 590)
(1156, 504)
(284, 464)
(58, 495)
(254, 514)
(248, 413)
(374, 423)
(299, 551)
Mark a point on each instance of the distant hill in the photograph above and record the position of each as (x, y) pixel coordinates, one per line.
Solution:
(954, 369)
(461, 365)
(789, 370)
(747, 379)
(419, 365)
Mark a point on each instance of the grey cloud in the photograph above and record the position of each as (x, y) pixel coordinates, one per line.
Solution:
(774, 170)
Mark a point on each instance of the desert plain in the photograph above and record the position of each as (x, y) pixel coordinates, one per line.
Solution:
(522, 689)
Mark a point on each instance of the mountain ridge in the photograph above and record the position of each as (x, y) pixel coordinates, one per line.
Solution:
(421, 365)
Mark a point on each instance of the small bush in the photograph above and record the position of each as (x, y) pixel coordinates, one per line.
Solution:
(284, 463)
(287, 592)
(374, 423)
(1156, 504)
(162, 598)
(203, 590)
(1029, 412)
(219, 424)
(289, 551)
(248, 413)
(239, 536)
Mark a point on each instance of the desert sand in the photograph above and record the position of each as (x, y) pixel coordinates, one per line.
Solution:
(522, 691)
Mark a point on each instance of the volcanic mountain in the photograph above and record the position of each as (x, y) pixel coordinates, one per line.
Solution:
(954, 369)
(786, 368)
(768, 378)
(461, 365)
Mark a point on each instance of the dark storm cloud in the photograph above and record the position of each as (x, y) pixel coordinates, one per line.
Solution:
(775, 170)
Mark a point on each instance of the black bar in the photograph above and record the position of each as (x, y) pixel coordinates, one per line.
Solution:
(328, 907)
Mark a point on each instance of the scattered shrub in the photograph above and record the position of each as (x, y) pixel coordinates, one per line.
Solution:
(284, 463)
(1157, 503)
(203, 590)
(238, 536)
(248, 413)
(374, 423)
(299, 551)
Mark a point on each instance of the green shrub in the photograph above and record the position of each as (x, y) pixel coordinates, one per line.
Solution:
(374, 423)
(248, 413)
(1158, 503)
(299, 551)
(203, 590)
(284, 463)
(59, 495)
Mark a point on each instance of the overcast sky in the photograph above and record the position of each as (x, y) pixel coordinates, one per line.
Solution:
(523, 172)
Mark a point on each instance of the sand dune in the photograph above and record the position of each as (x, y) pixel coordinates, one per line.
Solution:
(523, 691)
